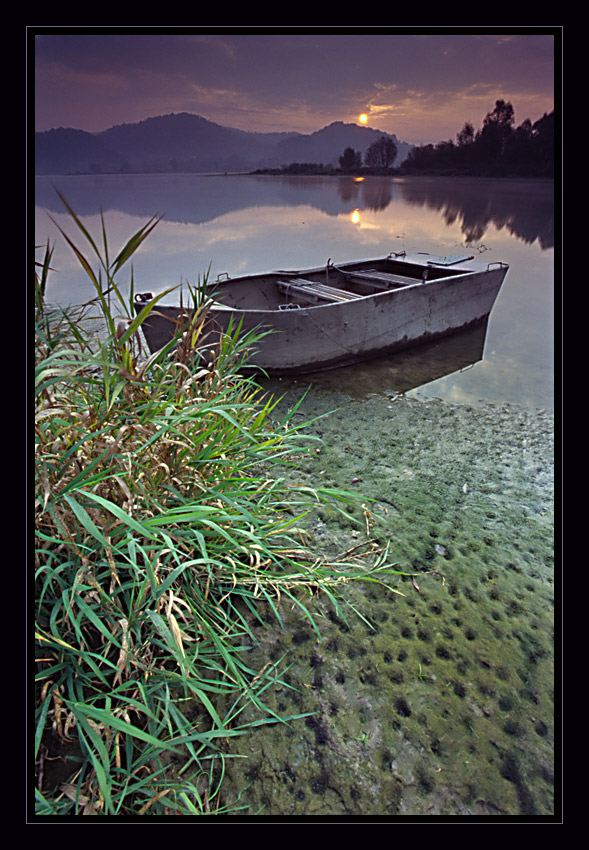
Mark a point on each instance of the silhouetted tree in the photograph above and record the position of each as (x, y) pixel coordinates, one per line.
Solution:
(543, 143)
(420, 158)
(497, 129)
(381, 154)
(517, 151)
(498, 148)
(466, 135)
(350, 160)
(445, 153)
(501, 115)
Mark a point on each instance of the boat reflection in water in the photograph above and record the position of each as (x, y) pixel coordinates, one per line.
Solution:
(404, 371)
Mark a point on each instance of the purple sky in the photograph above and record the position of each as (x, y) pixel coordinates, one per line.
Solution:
(420, 86)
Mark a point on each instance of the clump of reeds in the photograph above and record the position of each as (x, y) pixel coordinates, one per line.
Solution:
(157, 533)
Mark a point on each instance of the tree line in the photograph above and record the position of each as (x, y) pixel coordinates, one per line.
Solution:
(379, 157)
(499, 148)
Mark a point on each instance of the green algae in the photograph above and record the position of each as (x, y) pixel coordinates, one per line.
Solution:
(444, 703)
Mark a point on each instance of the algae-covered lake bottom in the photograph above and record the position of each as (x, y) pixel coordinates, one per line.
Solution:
(444, 705)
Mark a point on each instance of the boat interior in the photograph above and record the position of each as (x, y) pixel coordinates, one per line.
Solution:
(330, 285)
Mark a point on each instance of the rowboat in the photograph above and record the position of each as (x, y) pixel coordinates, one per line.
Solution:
(339, 314)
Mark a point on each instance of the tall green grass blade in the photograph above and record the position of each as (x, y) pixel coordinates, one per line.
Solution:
(140, 318)
(85, 520)
(78, 224)
(106, 717)
(133, 243)
(116, 511)
(39, 729)
(81, 258)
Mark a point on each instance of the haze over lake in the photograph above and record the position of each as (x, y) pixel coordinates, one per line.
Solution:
(245, 224)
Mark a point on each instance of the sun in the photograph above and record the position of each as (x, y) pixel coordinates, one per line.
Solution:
(363, 118)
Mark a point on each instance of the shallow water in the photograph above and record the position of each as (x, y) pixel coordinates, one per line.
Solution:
(444, 705)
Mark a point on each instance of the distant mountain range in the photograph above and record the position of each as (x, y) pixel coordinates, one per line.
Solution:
(190, 143)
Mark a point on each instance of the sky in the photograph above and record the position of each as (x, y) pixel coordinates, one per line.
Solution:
(421, 85)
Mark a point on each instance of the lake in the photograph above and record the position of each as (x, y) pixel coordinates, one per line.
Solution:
(244, 224)
(441, 701)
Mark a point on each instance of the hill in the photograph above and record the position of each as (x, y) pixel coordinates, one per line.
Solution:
(189, 143)
(328, 144)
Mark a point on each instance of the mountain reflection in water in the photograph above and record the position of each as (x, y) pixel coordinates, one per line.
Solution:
(474, 203)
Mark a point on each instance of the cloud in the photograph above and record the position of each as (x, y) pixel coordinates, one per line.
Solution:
(290, 81)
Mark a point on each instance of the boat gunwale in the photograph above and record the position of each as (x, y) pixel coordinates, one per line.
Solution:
(460, 271)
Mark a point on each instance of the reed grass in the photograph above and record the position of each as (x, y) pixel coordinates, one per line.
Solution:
(158, 533)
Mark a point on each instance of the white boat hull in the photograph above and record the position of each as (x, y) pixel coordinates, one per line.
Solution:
(310, 337)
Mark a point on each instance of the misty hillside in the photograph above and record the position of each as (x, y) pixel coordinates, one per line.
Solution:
(328, 144)
(190, 143)
(67, 151)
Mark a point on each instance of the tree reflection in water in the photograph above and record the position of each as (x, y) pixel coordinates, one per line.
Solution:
(478, 203)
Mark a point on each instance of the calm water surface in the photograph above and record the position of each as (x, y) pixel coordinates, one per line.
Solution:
(249, 224)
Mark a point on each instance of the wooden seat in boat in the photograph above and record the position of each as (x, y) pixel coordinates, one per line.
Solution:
(315, 291)
(383, 280)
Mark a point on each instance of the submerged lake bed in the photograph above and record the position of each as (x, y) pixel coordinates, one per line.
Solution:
(441, 701)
